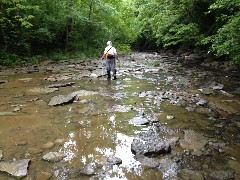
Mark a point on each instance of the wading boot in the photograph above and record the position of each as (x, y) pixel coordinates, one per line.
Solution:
(108, 75)
(114, 74)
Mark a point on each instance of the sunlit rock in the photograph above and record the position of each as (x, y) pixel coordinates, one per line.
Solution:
(17, 168)
(88, 170)
(149, 144)
(62, 99)
(53, 156)
(169, 168)
(61, 85)
(146, 161)
(7, 114)
(114, 160)
(42, 90)
(1, 155)
(139, 121)
(48, 145)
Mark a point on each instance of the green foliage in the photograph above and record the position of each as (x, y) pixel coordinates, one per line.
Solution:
(211, 25)
(82, 28)
(226, 41)
(31, 27)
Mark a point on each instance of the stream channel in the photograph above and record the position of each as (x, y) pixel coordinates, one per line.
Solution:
(159, 120)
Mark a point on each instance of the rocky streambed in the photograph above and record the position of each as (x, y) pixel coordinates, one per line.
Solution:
(161, 119)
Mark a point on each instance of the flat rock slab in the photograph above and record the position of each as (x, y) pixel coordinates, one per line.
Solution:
(43, 90)
(149, 162)
(139, 121)
(62, 99)
(53, 156)
(61, 85)
(7, 114)
(120, 108)
(83, 93)
(15, 168)
(193, 141)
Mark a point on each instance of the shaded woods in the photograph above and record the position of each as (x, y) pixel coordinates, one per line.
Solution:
(31, 31)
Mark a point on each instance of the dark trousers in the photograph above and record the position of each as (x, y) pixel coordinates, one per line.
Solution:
(111, 66)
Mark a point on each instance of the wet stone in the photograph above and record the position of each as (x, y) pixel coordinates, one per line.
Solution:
(207, 91)
(48, 145)
(62, 99)
(114, 160)
(139, 121)
(17, 168)
(169, 168)
(145, 161)
(222, 175)
(1, 155)
(201, 102)
(190, 174)
(53, 156)
(193, 140)
(43, 90)
(3, 81)
(119, 108)
(88, 170)
(7, 114)
(61, 85)
(149, 144)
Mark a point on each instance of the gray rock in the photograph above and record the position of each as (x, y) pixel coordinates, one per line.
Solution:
(62, 99)
(88, 170)
(7, 114)
(114, 160)
(186, 174)
(53, 156)
(139, 121)
(222, 175)
(1, 155)
(83, 93)
(61, 85)
(119, 108)
(43, 90)
(150, 162)
(207, 91)
(169, 168)
(201, 102)
(3, 81)
(15, 168)
(149, 144)
(193, 140)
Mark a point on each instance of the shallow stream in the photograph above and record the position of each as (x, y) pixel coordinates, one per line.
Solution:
(98, 125)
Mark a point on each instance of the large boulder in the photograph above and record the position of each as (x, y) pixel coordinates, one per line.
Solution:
(149, 144)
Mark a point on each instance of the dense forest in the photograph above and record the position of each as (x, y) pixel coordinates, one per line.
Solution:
(33, 30)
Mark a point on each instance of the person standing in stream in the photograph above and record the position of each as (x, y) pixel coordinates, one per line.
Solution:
(110, 53)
